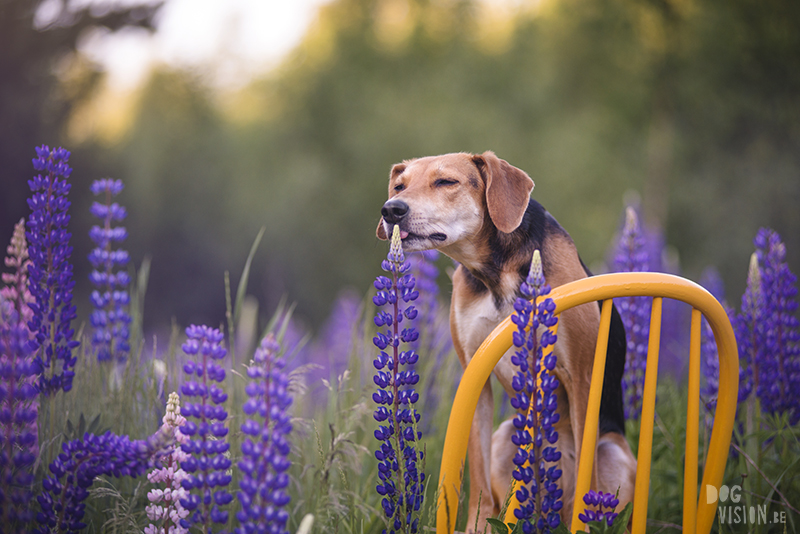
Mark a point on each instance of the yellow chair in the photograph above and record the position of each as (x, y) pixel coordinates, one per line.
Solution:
(698, 515)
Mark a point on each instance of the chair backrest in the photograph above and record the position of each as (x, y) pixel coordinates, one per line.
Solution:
(698, 514)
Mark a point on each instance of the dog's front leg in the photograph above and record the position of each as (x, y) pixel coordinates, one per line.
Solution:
(481, 502)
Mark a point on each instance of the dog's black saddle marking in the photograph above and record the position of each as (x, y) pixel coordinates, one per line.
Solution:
(536, 224)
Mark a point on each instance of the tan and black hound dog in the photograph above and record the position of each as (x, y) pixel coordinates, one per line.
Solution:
(477, 210)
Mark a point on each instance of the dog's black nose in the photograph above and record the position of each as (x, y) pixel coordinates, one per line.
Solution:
(394, 211)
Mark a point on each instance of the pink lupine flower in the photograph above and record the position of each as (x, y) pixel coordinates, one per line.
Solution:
(16, 282)
(165, 508)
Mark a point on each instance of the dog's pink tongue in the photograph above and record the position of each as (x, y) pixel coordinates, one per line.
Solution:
(403, 234)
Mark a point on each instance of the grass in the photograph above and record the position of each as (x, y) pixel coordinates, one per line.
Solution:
(334, 471)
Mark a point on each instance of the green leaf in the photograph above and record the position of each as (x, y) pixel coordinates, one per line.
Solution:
(517, 527)
(240, 290)
(560, 529)
(142, 277)
(498, 527)
(73, 431)
(621, 521)
(276, 316)
(94, 426)
(285, 324)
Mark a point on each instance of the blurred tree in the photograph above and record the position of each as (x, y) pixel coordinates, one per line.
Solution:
(693, 104)
(37, 39)
(355, 98)
(178, 156)
(738, 131)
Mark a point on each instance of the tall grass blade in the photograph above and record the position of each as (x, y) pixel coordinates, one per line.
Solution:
(229, 317)
(237, 309)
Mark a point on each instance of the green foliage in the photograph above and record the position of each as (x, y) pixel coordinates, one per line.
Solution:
(333, 473)
(124, 514)
(498, 527)
(690, 105)
(35, 102)
(620, 525)
(595, 527)
(76, 432)
(242, 288)
(695, 106)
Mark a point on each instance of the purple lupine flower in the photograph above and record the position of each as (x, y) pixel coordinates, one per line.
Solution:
(425, 272)
(110, 298)
(750, 331)
(632, 256)
(600, 507)
(709, 356)
(778, 380)
(165, 507)
(675, 315)
(16, 291)
(16, 283)
(535, 435)
(435, 340)
(401, 482)
(50, 272)
(337, 339)
(295, 338)
(18, 411)
(75, 469)
(207, 465)
(265, 451)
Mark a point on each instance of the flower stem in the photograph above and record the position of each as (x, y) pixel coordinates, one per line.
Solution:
(537, 453)
(206, 509)
(396, 391)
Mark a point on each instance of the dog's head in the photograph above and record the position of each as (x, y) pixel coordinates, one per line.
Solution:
(443, 202)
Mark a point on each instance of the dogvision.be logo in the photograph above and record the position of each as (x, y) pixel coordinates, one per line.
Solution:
(730, 510)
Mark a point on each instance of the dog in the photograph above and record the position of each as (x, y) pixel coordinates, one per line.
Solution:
(477, 210)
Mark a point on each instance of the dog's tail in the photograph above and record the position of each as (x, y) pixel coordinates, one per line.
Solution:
(612, 412)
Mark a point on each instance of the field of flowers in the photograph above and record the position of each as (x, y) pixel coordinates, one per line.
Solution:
(236, 428)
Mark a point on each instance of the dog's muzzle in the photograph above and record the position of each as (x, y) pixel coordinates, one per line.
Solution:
(394, 211)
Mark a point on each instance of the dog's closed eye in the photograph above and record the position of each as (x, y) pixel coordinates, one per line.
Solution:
(444, 181)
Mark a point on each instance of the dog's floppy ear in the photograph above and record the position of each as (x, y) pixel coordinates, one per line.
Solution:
(508, 190)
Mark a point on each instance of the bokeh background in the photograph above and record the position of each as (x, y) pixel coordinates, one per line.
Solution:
(688, 108)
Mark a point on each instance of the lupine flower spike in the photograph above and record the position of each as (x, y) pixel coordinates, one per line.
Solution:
(110, 298)
(776, 368)
(207, 464)
(265, 450)
(709, 357)
(401, 482)
(425, 270)
(339, 337)
(18, 433)
(436, 343)
(632, 256)
(600, 507)
(708, 349)
(535, 401)
(165, 509)
(750, 331)
(16, 291)
(16, 282)
(75, 469)
(50, 272)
